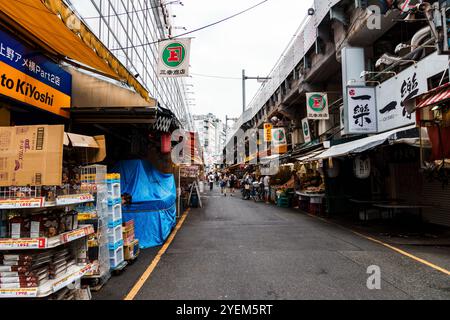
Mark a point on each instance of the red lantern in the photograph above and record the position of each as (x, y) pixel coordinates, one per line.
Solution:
(165, 143)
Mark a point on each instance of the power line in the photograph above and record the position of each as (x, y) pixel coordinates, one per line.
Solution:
(195, 30)
(216, 77)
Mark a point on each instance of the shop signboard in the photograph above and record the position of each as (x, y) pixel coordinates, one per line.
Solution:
(342, 117)
(279, 141)
(317, 106)
(361, 117)
(306, 131)
(173, 59)
(268, 132)
(30, 77)
(413, 81)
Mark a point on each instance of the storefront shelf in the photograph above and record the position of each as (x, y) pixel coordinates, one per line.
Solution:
(34, 203)
(74, 273)
(46, 243)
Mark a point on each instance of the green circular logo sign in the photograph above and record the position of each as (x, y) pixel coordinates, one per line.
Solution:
(173, 54)
(305, 129)
(278, 135)
(317, 102)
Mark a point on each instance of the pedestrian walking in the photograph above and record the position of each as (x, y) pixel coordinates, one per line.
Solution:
(224, 185)
(266, 188)
(211, 179)
(233, 180)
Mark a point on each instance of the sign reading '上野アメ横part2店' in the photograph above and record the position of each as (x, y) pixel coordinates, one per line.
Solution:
(317, 106)
(174, 58)
(29, 77)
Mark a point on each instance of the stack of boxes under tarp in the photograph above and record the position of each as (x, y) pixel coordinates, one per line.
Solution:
(115, 237)
(130, 243)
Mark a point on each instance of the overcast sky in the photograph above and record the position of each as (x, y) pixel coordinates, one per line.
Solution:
(253, 41)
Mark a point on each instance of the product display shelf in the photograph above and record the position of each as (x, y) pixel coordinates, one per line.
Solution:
(39, 202)
(25, 204)
(45, 243)
(115, 236)
(94, 178)
(74, 273)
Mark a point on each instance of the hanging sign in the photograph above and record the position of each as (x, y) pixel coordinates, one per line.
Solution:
(306, 131)
(279, 141)
(317, 106)
(29, 77)
(268, 132)
(361, 117)
(174, 58)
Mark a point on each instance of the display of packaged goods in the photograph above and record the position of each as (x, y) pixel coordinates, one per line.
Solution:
(131, 250)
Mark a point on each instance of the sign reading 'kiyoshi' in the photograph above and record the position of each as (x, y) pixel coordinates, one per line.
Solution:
(174, 58)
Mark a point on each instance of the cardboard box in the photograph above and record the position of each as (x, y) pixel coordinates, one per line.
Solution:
(31, 155)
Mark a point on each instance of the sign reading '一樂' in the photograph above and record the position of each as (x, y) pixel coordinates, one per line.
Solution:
(174, 58)
(317, 106)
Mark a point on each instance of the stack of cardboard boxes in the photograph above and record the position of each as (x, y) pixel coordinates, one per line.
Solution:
(130, 244)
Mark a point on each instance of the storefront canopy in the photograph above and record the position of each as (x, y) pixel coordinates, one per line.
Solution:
(54, 26)
(431, 98)
(365, 144)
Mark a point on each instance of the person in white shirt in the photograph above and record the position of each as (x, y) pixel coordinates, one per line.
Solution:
(211, 179)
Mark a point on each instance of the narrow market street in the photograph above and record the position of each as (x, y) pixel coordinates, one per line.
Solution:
(236, 249)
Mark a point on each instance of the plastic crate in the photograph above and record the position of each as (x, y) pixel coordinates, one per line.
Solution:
(116, 257)
(115, 235)
(114, 190)
(283, 202)
(114, 215)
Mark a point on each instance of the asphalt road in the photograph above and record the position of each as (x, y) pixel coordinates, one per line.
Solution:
(236, 249)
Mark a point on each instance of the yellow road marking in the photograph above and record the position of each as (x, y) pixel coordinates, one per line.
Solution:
(138, 285)
(402, 252)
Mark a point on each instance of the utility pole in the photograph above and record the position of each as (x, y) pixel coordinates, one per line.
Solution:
(244, 77)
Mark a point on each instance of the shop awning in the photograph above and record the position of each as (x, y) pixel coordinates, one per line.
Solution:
(431, 98)
(365, 144)
(310, 155)
(54, 26)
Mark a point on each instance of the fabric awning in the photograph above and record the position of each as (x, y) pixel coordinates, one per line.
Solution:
(54, 26)
(431, 98)
(310, 155)
(361, 145)
(434, 97)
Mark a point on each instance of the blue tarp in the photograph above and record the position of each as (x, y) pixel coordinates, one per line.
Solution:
(154, 201)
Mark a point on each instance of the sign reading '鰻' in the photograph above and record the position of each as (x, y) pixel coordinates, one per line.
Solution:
(174, 58)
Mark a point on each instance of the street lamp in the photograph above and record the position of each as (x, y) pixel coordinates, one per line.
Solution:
(244, 77)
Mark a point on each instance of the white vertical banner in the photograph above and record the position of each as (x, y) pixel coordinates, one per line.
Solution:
(362, 110)
(306, 131)
(173, 60)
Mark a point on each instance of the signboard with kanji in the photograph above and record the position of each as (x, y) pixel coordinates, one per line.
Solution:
(268, 132)
(362, 110)
(317, 106)
(174, 58)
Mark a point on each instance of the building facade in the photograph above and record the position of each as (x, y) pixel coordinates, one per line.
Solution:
(131, 30)
(212, 137)
(366, 64)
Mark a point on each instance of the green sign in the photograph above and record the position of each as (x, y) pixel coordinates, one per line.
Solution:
(317, 102)
(174, 54)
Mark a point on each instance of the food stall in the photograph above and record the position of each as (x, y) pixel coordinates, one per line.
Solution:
(312, 186)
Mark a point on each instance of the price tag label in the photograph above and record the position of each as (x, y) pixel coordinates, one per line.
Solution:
(38, 243)
(70, 278)
(21, 203)
(73, 199)
(16, 293)
(74, 235)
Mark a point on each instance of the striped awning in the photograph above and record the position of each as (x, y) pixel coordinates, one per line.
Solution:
(434, 97)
